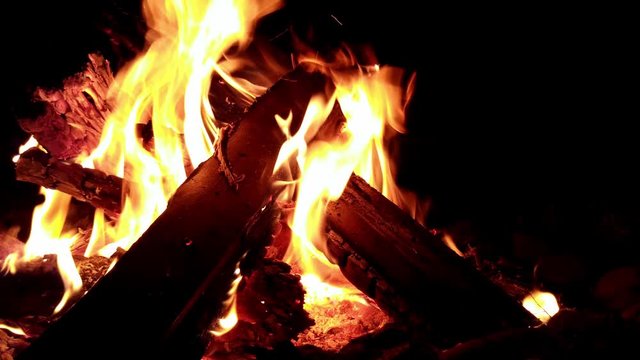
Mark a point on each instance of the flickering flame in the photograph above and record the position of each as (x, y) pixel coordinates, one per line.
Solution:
(168, 85)
(13, 329)
(448, 240)
(373, 104)
(32, 142)
(319, 292)
(46, 237)
(229, 321)
(542, 305)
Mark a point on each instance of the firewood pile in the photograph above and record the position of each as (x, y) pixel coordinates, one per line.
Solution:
(225, 229)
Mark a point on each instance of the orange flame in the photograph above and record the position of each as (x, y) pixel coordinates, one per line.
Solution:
(372, 103)
(542, 305)
(31, 142)
(229, 321)
(46, 238)
(168, 85)
(13, 329)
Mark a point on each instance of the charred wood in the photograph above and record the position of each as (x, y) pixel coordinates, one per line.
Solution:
(74, 115)
(410, 271)
(161, 297)
(270, 311)
(93, 186)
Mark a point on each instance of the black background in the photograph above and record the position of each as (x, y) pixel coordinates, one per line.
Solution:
(522, 111)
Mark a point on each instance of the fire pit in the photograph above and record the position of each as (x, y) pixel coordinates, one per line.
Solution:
(229, 188)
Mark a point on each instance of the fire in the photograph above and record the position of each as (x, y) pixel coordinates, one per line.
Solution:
(542, 305)
(229, 321)
(13, 329)
(47, 237)
(32, 142)
(373, 105)
(168, 86)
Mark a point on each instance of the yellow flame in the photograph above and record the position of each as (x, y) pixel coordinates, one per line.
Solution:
(373, 103)
(168, 85)
(31, 142)
(46, 238)
(542, 305)
(230, 319)
(448, 240)
(13, 329)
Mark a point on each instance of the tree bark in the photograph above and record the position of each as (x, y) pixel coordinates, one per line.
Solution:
(159, 300)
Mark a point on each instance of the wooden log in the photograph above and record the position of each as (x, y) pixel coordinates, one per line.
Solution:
(74, 115)
(160, 299)
(411, 272)
(93, 186)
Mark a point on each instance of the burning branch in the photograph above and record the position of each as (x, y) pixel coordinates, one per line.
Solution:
(196, 245)
(93, 186)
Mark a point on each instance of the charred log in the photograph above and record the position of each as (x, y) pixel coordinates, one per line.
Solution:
(93, 186)
(161, 297)
(74, 115)
(410, 271)
(36, 286)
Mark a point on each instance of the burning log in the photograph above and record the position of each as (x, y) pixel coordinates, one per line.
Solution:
(161, 297)
(410, 271)
(36, 287)
(74, 116)
(93, 186)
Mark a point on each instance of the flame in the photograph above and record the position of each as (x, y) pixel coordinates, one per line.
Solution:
(542, 305)
(31, 142)
(448, 240)
(373, 105)
(16, 330)
(169, 86)
(230, 319)
(46, 237)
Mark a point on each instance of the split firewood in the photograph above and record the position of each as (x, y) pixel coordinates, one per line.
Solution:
(160, 298)
(410, 272)
(75, 114)
(99, 189)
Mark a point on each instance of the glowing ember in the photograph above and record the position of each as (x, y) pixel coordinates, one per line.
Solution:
(542, 305)
(169, 86)
(372, 103)
(13, 329)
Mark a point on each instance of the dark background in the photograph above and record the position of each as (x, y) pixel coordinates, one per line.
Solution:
(522, 121)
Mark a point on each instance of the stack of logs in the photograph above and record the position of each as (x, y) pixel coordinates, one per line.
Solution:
(162, 295)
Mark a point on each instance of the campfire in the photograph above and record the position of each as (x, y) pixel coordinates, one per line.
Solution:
(219, 195)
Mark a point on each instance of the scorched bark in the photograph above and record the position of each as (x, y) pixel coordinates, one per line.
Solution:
(160, 298)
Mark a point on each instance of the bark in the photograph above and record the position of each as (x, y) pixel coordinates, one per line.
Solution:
(161, 297)
(73, 116)
(410, 272)
(93, 186)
